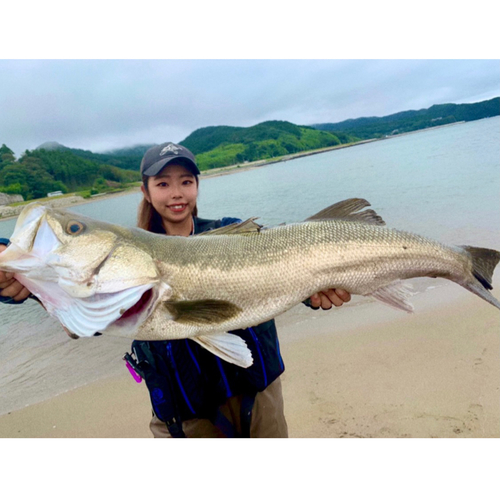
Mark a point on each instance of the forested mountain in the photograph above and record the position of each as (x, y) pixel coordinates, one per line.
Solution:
(54, 167)
(127, 158)
(408, 121)
(220, 146)
(134, 151)
(42, 171)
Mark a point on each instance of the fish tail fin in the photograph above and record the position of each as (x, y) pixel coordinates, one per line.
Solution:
(484, 261)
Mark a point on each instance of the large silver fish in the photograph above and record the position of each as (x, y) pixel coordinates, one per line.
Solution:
(97, 277)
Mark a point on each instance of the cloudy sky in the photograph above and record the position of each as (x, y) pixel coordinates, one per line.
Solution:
(104, 104)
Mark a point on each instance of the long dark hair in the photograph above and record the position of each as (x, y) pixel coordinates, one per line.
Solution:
(147, 216)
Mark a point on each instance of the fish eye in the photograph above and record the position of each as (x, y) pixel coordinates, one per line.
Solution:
(74, 227)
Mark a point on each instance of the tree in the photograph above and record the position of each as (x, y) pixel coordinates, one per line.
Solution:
(6, 156)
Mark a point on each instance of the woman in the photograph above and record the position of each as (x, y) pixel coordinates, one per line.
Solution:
(193, 392)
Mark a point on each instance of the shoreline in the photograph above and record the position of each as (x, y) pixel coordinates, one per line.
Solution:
(75, 200)
(68, 201)
(365, 370)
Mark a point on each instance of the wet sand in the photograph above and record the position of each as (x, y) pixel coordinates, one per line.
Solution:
(364, 370)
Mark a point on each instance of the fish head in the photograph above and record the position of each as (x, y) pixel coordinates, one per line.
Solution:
(56, 245)
(87, 273)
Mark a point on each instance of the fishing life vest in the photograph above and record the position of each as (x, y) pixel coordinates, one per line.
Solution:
(186, 381)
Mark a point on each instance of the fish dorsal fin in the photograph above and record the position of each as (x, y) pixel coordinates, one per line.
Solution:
(228, 347)
(349, 210)
(245, 227)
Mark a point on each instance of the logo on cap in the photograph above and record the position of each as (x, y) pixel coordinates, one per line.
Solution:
(171, 148)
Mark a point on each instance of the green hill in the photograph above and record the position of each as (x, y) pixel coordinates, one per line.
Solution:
(223, 145)
(58, 168)
(408, 121)
(54, 167)
(126, 158)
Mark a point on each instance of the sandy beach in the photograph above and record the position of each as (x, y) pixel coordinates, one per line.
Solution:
(363, 370)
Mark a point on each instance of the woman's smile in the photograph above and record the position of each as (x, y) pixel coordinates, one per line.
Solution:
(178, 207)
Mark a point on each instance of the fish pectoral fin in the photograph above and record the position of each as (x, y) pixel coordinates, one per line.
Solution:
(349, 210)
(201, 312)
(228, 347)
(245, 227)
(395, 295)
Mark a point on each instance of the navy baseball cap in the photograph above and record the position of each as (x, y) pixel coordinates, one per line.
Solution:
(158, 157)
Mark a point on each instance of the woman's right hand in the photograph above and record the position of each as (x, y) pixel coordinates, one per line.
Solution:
(10, 287)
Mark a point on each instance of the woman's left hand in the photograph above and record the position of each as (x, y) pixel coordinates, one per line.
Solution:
(328, 298)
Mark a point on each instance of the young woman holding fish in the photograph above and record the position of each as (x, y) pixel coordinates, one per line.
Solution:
(193, 392)
(224, 399)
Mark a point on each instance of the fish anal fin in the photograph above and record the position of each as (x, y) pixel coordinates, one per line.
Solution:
(396, 295)
(228, 347)
(245, 227)
(201, 312)
(349, 210)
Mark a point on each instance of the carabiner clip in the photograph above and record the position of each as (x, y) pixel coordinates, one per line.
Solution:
(133, 368)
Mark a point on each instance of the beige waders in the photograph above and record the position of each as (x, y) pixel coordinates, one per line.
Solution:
(268, 419)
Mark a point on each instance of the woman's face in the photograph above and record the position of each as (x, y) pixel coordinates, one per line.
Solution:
(172, 193)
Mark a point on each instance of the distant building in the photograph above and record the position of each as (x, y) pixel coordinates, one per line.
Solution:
(55, 193)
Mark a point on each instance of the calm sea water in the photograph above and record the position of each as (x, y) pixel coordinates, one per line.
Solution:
(443, 183)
